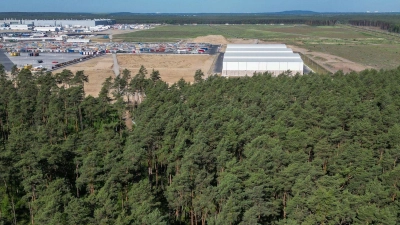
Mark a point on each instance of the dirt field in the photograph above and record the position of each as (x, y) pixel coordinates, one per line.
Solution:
(171, 67)
(331, 62)
(97, 69)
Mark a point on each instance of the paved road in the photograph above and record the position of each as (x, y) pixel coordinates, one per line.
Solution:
(213, 50)
(7, 63)
(116, 66)
(219, 63)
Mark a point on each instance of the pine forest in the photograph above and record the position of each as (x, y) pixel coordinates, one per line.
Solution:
(292, 149)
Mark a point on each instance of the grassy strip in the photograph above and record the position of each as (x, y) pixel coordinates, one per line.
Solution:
(317, 68)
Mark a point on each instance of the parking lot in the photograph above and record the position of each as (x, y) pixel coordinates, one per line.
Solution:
(49, 59)
(5, 61)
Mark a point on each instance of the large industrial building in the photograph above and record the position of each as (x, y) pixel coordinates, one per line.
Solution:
(247, 59)
(60, 23)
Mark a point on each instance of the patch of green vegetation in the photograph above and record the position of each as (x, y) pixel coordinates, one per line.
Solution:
(264, 32)
(380, 56)
(320, 58)
(169, 33)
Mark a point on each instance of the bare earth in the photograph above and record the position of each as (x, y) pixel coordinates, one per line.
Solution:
(172, 67)
(98, 69)
(331, 62)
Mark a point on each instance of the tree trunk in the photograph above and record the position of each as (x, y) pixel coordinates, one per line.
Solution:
(284, 205)
(77, 176)
(80, 117)
(12, 203)
(156, 175)
(31, 213)
(13, 210)
(191, 218)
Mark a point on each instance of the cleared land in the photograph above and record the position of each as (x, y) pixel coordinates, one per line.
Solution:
(172, 67)
(98, 69)
(362, 48)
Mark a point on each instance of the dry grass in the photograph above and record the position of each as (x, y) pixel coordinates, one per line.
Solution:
(97, 69)
(171, 67)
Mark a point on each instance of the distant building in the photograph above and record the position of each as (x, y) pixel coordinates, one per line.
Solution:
(247, 59)
(78, 40)
(19, 27)
(61, 23)
(45, 29)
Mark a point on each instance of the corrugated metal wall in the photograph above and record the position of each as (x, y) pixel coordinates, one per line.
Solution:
(246, 59)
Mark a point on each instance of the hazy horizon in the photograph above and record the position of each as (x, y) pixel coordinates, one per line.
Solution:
(205, 6)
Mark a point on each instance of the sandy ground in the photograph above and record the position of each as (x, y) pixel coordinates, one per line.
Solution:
(98, 69)
(172, 67)
(331, 62)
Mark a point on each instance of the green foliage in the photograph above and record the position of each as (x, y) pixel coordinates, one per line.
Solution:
(312, 149)
(198, 76)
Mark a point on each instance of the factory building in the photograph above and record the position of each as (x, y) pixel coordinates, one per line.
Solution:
(61, 23)
(45, 29)
(20, 27)
(247, 59)
(78, 40)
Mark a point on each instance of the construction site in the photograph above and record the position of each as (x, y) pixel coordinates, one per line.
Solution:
(102, 59)
(54, 54)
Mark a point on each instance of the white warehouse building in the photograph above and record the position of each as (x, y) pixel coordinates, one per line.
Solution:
(247, 59)
(45, 29)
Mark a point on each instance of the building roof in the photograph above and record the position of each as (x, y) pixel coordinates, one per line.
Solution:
(256, 46)
(258, 50)
(261, 55)
(263, 60)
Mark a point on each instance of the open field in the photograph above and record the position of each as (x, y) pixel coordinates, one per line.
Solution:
(264, 32)
(364, 48)
(172, 67)
(379, 56)
(98, 69)
(170, 33)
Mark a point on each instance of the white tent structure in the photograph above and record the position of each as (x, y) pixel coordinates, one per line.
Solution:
(247, 59)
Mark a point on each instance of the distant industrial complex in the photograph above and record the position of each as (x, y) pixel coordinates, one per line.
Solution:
(64, 36)
(53, 25)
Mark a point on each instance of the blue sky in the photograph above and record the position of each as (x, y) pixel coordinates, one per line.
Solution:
(199, 6)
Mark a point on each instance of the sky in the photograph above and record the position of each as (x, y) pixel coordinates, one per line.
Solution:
(199, 6)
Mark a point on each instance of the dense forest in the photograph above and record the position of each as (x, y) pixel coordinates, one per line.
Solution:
(386, 21)
(312, 149)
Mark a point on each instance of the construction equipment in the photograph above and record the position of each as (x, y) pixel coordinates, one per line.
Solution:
(28, 66)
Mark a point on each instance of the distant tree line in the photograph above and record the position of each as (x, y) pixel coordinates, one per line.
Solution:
(384, 25)
(388, 21)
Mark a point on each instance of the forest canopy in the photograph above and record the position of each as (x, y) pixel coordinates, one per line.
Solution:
(311, 149)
